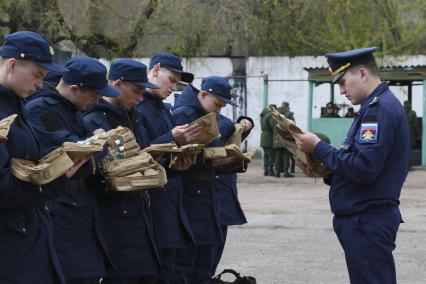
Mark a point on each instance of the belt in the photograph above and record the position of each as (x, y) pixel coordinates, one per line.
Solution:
(198, 176)
(79, 184)
(382, 208)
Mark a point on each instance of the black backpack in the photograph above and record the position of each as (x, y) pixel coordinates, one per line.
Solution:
(238, 278)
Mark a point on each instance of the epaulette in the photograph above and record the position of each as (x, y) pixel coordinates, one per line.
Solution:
(374, 101)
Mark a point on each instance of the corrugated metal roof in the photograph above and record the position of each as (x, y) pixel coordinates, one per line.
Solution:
(391, 73)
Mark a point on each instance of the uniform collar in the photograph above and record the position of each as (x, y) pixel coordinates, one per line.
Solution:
(154, 98)
(11, 99)
(374, 97)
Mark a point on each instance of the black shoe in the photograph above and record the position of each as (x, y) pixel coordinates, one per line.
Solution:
(265, 172)
(288, 175)
(277, 174)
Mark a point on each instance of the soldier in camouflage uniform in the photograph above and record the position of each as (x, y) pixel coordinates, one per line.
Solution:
(413, 124)
(282, 155)
(267, 125)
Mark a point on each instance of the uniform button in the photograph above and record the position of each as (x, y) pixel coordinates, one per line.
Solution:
(47, 208)
(198, 191)
(74, 204)
(125, 211)
(24, 230)
(217, 177)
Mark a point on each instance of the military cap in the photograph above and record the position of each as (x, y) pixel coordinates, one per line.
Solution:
(87, 72)
(130, 70)
(341, 62)
(219, 87)
(32, 46)
(173, 63)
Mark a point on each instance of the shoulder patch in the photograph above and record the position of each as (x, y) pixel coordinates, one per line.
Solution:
(369, 132)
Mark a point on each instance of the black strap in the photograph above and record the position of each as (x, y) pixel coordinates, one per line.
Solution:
(232, 271)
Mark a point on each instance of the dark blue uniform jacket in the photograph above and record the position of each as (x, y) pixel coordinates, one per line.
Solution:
(27, 254)
(200, 196)
(76, 233)
(153, 119)
(372, 164)
(231, 212)
(125, 218)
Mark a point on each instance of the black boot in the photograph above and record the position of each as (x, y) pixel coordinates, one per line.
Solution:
(277, 174)
(265, 172)
(293, 164)
(287, 175)
(271, 172)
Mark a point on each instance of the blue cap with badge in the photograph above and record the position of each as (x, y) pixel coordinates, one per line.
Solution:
(340, 62)
(173, 63)
(219, 87)
(31, 46)
(87, 72)
(130, 70)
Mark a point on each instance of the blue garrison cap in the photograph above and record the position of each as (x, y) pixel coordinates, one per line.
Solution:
(340, 62)
(32, 46)
(219, 87)
(173, 63)
(87, 72)
(130, 70)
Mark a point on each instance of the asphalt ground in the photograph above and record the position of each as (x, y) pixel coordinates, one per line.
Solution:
(289, 236)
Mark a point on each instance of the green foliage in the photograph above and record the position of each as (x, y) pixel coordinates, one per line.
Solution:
(107, 28)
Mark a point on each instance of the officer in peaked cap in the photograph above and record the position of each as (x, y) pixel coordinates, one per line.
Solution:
(369, 169)
(56, 119)
(27, 251)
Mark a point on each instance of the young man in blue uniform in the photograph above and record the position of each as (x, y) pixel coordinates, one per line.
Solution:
(125, 217)
(230, 211)
(27, 254)
(368, 170)
(153, 116)
(200, 199)
(56, 118)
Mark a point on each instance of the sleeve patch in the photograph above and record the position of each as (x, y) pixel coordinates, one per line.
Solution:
(369, 132)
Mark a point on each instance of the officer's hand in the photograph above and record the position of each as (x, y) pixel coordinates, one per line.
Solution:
(184, 134)
(306, 141)
(247, 124)
(77, 165)
(307, 171)
(98, 131)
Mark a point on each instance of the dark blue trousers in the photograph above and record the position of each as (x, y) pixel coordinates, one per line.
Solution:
(195, 264)
(218, 251)
(368, 240)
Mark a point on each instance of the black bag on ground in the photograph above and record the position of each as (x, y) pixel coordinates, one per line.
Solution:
(238, 278)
